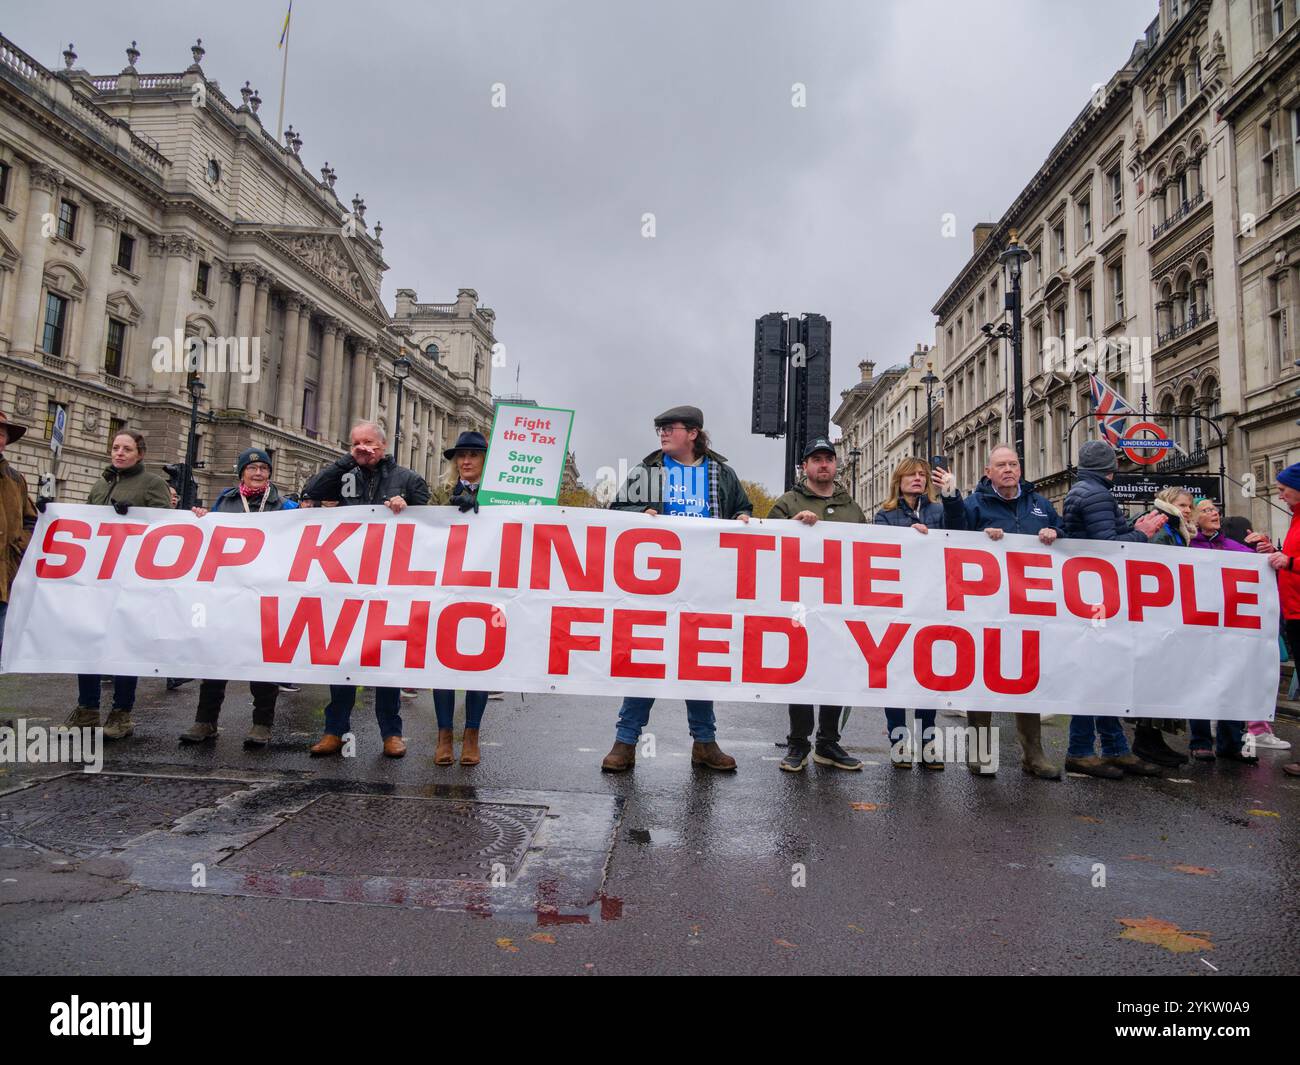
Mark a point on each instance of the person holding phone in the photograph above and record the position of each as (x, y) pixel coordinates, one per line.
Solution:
(1004, 502)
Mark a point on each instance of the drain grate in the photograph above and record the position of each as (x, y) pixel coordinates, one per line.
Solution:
(85, 814)
(393, 836)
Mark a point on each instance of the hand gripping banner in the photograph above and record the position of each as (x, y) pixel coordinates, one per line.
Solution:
(595, 602)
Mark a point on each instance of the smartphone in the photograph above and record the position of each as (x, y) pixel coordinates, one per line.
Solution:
(939, 462)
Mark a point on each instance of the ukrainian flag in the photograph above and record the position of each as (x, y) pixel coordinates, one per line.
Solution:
(284, 34)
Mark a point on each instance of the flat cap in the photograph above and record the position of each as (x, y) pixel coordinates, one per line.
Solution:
(691, 417)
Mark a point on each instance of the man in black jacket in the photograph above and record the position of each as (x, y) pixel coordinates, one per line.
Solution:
(1091, 513)
(367, 476)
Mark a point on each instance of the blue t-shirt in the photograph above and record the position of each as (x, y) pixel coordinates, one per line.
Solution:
(686, 489)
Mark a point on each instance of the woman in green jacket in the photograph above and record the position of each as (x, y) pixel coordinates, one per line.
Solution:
(124, 483)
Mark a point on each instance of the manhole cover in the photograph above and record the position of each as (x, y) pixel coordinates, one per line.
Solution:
(84, 814)
(384, 835)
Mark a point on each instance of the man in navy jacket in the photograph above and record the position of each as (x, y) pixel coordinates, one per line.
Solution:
(1091, 513)
(1004, 503)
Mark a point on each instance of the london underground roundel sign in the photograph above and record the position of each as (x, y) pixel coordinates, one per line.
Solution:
(1145, 437)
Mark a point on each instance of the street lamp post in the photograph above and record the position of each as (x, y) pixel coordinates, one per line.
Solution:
(854, 455)
(196, 388)
(929, 380)
(401, 371)
(1013, 260)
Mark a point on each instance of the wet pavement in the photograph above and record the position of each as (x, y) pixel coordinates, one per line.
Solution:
(217, 860)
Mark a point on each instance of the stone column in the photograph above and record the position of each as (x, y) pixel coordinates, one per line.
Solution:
(297, 416)
(360, 370)
(178, 283)
(44, 182)
(259, 397)
(368, 391)
(238, 390)
(288, 359)
(328, 381)
(227, 307)
(90, 359)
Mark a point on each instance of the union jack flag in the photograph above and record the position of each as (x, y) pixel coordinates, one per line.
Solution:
(1110, 409)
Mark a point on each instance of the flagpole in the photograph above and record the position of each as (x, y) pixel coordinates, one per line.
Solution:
(284, 75)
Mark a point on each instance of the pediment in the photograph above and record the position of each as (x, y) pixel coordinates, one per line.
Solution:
(326, 254)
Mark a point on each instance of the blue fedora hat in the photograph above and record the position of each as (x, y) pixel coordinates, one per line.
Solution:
(468, 441)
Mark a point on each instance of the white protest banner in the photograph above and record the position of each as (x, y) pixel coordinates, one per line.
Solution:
(599, 602)
(526, 454)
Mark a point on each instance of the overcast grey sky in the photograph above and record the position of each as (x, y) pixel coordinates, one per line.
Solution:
(914, 108)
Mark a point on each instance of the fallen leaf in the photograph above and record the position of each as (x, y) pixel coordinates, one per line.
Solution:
(507, 945)
(1138, 858)
(1194, 870)
(785, 943)
(542, 937)
(855, 928)
(1263, 813)
(867, 806)
(1164, 934)
(1089, 820)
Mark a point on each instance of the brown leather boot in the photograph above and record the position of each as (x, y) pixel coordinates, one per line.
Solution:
(327, 745)
(711, 755)
(394, 747)
(469, 747)
(442, 753)
(1029, 727)
(622, 756)
(978, 719)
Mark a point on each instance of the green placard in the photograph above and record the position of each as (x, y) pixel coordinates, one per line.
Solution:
(522, 464)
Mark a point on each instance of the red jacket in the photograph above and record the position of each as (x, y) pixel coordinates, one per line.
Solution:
(1288, 580)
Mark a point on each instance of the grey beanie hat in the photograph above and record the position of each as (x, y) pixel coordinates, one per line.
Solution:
(1097, 456)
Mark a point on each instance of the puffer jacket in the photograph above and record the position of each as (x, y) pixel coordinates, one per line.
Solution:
(838, 506)
(1028, 513)
(134, 486)
(644, 487)
(902, 516)
(1219, 542)
(348, 484)
(1091, 513)
(229, 502)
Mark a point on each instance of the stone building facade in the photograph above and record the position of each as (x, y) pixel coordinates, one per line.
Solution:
(150, 229)
(1162, 223)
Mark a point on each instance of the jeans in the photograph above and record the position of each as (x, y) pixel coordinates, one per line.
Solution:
(88, 691)
(343, 697)
(212, 694)
(1082, 728)
(444, 705)
(801, 726)
(896, 719)
(1228, 741)
(634, 715)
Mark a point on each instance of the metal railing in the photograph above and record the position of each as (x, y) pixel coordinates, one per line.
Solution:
(1198, 317)
(1184, 209)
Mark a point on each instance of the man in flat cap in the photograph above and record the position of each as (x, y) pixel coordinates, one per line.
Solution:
(685, 476)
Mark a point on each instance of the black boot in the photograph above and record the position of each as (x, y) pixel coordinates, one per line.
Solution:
(1149, 745)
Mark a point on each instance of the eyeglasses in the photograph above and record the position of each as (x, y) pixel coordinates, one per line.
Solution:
(668, 430)
(262, 466)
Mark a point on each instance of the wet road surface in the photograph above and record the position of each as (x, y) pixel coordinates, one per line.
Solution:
(668, 868)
